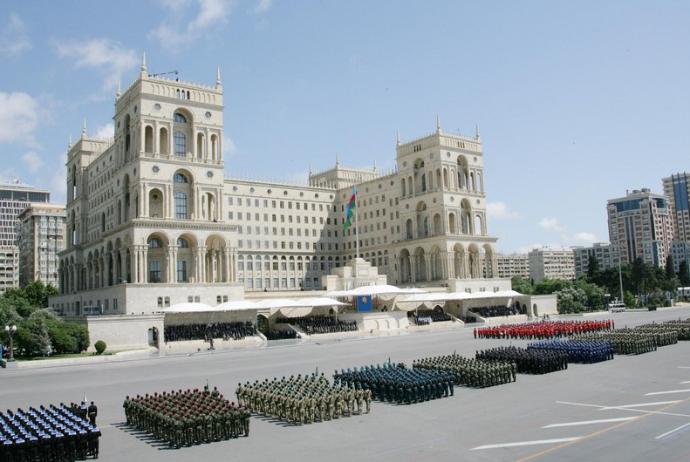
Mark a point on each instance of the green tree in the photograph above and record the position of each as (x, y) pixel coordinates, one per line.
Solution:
(33, 337)
(520, 284)
(44, 313)
(37, 293)
(671, 278)
(571, 300)
(684, 274)
(14, 298)
(550, 286)
(595, 295)
(592, 267)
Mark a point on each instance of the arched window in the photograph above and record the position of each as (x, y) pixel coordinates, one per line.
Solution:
(180, 118)
(182, 242)
(155, 243)
(180, 178)
(180, 206)
(180, 144)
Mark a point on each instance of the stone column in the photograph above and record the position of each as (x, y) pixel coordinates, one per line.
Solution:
(134, 263)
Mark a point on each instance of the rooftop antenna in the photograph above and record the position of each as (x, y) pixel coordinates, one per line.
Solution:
(164, 73)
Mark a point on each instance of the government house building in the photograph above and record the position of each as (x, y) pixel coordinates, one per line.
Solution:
(152, 220)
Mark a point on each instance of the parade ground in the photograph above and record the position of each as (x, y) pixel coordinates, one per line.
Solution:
(632, 408)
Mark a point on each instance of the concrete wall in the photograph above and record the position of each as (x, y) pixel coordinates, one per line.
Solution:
(124, 332)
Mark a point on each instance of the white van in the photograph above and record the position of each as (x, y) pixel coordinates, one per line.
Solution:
(616, 307)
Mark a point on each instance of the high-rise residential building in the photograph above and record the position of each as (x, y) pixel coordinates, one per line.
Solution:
(14, 197)
(641, 226)
(604, 253)
(514, 264)
(40, 239)
(677, 189)
(151, 219)
(551, 263)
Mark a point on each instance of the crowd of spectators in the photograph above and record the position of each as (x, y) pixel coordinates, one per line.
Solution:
(225, 330)
(426, 317)
(320, 324)
(281, 334)
(498, 310)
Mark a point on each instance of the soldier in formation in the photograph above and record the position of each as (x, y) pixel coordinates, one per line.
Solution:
(397, 383)
(625, 342)
(544, 329)
(471, 372)
(578, 351)
(184, 418)
(300, 400)
(47, 434)
(528, 361)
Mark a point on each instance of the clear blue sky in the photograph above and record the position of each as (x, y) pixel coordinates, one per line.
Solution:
(576, 102)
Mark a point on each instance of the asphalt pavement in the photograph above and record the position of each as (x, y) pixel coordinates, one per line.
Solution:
(633, 408)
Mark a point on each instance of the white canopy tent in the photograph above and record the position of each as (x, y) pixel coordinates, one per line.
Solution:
(188, 308)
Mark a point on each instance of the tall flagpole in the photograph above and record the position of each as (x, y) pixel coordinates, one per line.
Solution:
(356, 223)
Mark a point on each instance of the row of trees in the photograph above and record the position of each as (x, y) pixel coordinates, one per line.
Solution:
(642, 283)
(39, 330)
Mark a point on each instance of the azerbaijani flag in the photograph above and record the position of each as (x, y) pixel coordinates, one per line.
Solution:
(350, 209)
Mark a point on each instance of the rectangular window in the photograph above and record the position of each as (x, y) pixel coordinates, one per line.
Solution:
(181, 271)
(180, 206)
(154, 271)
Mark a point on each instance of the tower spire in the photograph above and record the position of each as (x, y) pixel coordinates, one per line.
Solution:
(438, 123)
(337, 160)
(143, 64)
(83, 130)
(397, 137)
(218, 83)
(479, 138)
(119, 88)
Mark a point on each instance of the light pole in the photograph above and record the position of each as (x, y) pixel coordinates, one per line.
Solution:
(10, 332)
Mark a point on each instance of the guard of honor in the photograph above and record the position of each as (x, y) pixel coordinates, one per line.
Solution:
(303, 400)
(528, 361)
(472, 373)
(543, 329)
(398, 383)
(46, 435)
(578, 351)
(184, 418)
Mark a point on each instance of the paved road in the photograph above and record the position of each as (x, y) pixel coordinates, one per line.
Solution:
(634, 408)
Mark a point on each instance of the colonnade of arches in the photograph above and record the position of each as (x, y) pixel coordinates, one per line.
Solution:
(462, 221)
(181, 199)
(471, 262)
(447, 177)
(163, 259)
(180, 138)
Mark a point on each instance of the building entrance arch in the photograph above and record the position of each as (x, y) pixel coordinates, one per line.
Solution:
(262, 324)
(154, 337)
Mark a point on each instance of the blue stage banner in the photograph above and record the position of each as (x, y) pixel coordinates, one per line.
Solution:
(364, 304)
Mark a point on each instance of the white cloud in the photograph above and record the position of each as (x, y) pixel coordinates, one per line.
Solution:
(499, 211)
(179, 30)
(582, 238)
(13, 37)
(32, 161)
(104, 54)
(105, 131)
(262, 6)
(18, 118)
(551, 224)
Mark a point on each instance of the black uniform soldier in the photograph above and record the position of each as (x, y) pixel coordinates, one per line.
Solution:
(93, 412)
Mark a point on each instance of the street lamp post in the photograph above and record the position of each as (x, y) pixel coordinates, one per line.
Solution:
(10, 332)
